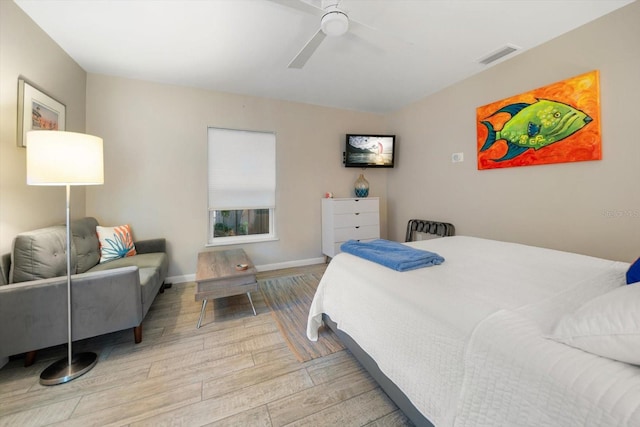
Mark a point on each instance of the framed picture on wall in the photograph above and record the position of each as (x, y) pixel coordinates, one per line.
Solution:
(37, 111)
(556, 123)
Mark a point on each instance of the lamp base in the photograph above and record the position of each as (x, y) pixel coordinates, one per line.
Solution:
(62, 371)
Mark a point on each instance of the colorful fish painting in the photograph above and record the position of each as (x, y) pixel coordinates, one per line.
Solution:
(552, 124)
(535, 126)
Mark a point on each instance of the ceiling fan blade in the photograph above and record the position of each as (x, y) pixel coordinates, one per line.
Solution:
(301, 6)
(303, 56)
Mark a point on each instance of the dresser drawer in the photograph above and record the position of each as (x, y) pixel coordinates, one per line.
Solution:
(356, 233)
(336, 247)
(354, 219)
(355, 206)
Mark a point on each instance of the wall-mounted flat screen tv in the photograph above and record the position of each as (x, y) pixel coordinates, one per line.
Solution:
(369, 151)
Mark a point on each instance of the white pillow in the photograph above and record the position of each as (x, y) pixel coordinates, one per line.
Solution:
(608, 325)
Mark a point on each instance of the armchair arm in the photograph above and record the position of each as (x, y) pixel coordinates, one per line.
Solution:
(33, 315)
(151, 245)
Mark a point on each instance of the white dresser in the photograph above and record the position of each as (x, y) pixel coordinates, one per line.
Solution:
(345, 219)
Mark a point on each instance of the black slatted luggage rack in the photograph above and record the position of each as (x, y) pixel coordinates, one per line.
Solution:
(441, 229)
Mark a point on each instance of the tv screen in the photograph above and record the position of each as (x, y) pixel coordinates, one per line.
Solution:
(369, 151)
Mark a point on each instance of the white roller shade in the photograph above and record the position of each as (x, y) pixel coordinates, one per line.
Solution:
(242, 169)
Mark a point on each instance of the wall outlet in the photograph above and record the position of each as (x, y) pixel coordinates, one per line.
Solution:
(457, 157)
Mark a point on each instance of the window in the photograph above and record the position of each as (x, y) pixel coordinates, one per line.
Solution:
(242, 186)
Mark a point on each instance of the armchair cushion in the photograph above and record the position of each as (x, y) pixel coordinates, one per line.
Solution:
(85, 240)
(40, 254)
(151, 245)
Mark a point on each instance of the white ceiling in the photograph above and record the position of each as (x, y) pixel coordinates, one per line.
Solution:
(244, 46)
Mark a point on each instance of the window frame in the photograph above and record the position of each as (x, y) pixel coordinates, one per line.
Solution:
(245, 238)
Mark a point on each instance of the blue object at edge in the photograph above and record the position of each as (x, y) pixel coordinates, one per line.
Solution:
(633, 274)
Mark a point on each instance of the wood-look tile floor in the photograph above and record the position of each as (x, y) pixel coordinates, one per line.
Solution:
(236, 370)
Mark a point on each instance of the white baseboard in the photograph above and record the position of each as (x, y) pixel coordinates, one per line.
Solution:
(290, 264)
(181, 279)
(265, 267)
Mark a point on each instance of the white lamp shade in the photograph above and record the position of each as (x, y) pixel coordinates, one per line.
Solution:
(64, 158)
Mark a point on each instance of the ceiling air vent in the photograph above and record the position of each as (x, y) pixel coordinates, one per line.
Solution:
(502, 52)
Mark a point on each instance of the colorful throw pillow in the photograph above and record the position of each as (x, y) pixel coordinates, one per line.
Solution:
(633, 274)
(115, 242)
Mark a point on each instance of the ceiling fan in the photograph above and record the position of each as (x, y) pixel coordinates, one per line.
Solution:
(334, 22)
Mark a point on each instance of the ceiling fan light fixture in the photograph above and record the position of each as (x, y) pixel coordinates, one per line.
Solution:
(334, 23)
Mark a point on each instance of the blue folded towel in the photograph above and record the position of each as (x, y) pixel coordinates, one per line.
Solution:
(392, 254)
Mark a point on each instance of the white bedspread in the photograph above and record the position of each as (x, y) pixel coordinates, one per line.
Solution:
(437, 331)
(518, 378)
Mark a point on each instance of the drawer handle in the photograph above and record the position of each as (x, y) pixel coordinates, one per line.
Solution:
(357, 226)
(357, 213)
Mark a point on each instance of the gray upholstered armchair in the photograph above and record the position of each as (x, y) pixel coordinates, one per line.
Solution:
(106, 297)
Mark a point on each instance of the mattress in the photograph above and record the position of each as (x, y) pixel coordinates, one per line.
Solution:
(436, 331)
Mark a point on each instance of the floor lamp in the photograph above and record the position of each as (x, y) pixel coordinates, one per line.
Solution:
(65, 159)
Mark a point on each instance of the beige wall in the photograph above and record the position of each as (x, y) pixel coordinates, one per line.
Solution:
(155, 153)
(587, 207)
(156, 164)
(26, 51)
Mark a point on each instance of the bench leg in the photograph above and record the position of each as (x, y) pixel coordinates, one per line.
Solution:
(204, 305)
(251, 301)
(137, 333)
(163, 287)
(29, 358)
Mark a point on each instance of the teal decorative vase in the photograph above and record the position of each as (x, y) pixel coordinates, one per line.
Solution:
(361, 186)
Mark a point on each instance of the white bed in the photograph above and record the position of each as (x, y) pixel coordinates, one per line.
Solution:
(467, 341)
